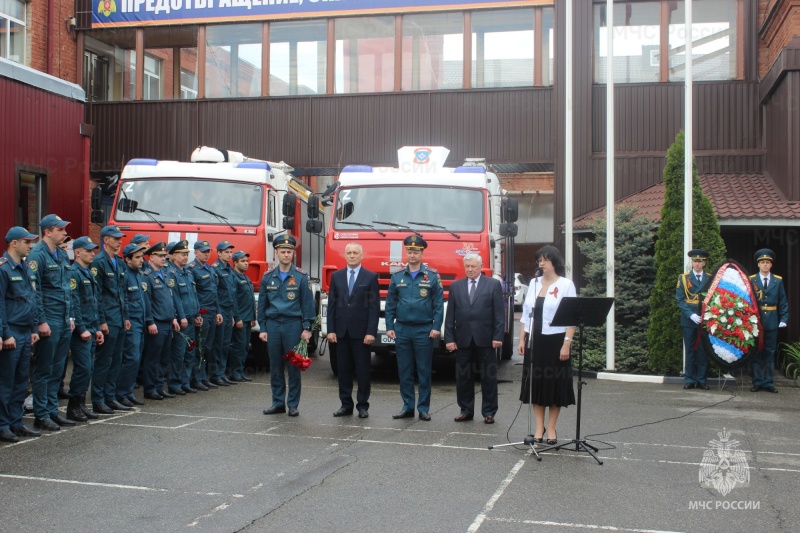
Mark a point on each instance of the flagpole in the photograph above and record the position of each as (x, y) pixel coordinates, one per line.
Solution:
(568, 192)
(687, 152)
(610, 238)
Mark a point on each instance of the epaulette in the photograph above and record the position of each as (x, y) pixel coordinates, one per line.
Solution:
(432, 270)
(753, 276)
(192, 264)
(776, 276)
(3, 260)
(216, 263)
(300, 270)
(269, 270)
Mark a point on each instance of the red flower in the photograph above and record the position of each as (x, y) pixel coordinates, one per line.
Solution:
(191, 346)
(203, 311)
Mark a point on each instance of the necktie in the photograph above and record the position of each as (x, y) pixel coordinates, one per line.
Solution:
(351, 282)
(471, 290)
(700, 278)
(765, 283)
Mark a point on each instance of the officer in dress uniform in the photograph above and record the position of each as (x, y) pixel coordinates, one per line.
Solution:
(167, 311)
(50, 265)
(689, 300)
(184, 355)
(226, 298)
(285, 315)
(246, 311)
(774, 309)
(414, 314)
(86, 336)
(138, 315)
(18, 331)
(205, 280)
(109, 271)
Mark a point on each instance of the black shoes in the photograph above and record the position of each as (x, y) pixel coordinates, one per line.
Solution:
(116, 406)
(25, 431)
(274, 410)
(61, 421)
(188, 390)
(771, 389)
(210, 385)
(135, 401)
(218, 382)
(45, 423)
(343, 411)
(405, 413)
(553, 442)
(689, 386)
(245, 378)
(153, 396)
(198, 386)
(165, 394)
(74, 411)
(702, 386)
(7, 435)
(755, 388)
(463, 417)
(102, 408)
(363, 413)
(293, 411)
(424, 416)
(176, 392)
(228, 381)
(124, 401)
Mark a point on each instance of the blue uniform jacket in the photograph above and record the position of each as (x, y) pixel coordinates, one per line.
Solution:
(111, 280)
(416, 301)
(226, 289)
(245, 299)
(136, 286)
(688, 297)
(17, 298)
(85, 299)
(285, 300)
(772, 303)
(165, 305)
(184, 285)
(205, 282)
(52, 282)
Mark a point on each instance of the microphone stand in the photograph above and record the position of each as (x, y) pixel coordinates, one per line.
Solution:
(529, 440)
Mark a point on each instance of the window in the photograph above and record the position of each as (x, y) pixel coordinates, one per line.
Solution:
(95, 76)
(152, 76)
(12, 30)
(233, 61)
(297, 57)
(641, 27)
(188, 85)
(548, 46)
(433, 52)
(364, 55)
(502, 48)
(32, 194)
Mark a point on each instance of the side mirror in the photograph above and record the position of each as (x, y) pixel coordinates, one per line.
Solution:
(127, 206)
(313, 207)
(96, 217)
(97, 198)
(288, 223)
(314, 226)
(511, 209)
(508, 230)
(289, 202)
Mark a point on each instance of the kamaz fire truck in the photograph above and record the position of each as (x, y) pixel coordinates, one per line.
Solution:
(219, 195)
(457, 210)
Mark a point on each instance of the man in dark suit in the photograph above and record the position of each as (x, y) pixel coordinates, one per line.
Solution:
(774, 309)
(474, 327)
(353, 309)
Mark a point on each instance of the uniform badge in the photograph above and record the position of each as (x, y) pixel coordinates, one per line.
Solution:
(144, 286)
(423, 292)
(291, 295)
(34, 265)
(171, 282)
(292, 281)
(73, 284)
(94, 271)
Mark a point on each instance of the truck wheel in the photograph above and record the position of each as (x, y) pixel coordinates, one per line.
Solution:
(507, 350)
(333, 357)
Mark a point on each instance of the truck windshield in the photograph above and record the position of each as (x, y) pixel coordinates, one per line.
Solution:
(455, 209)
(174, 200)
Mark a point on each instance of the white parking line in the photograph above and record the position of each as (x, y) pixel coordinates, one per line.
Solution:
(496, 496)
(578, 526)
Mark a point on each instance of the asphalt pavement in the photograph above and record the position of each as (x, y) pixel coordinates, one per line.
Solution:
(212, 462)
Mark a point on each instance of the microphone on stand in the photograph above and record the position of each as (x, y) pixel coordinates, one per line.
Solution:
(536, 274)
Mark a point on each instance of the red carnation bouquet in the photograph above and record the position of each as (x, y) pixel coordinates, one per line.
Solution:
(298, 356)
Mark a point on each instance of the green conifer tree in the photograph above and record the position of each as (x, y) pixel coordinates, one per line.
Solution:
(664, 335)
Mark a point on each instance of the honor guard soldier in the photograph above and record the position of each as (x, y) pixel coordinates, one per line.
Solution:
(86, 336)
(205, 282)
(246, 312)
(109, 271)
(138, 316)
(689, 300)
(285, 315)
(226, 298)
(774, 309)
(167, 310)
(18, 331)
(50, 265)
(414, 314)
(184, 355)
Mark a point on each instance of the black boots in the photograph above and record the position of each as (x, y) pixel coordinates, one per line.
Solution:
(74, 410)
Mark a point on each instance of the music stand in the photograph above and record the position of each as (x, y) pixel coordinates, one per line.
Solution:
(579, 312)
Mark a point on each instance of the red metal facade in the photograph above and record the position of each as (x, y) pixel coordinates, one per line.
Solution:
(42, 135)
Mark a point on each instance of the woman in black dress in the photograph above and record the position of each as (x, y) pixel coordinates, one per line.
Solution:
(548, 357)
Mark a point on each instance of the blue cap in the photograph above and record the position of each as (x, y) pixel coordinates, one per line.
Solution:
(761, 255)
(178, 247)
(224, 245)
(52, 220)
(84, 242)
(159, 248)
(139, 238)
(284, 240)
(131, 249)
(111, 231)
(203, 246)
(18, 233)
(414, 242)
(238, 255)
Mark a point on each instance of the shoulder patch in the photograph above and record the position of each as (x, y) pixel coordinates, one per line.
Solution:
(94, 271)
(144, 286)
(34, 265)
(73, 284)
(171, 282)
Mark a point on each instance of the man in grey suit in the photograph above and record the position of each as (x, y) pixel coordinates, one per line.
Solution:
(353, 310)
(474, 328)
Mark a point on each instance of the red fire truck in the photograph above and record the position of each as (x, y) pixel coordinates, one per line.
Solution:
(457, 211)
(219, 195)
